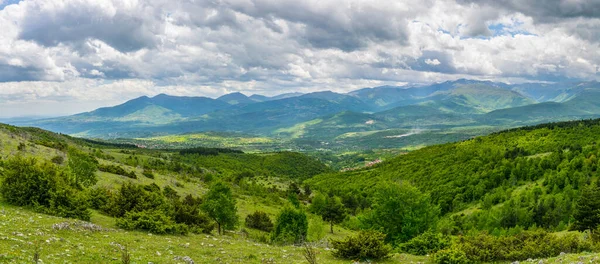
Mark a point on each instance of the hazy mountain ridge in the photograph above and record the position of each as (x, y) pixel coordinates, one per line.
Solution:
(448, 104)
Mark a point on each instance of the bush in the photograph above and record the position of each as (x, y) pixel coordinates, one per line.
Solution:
(291, 226)
(426, 243)
(153, 221)
(483, 247)
(188, 212)
(117, 170)
(58, 160)
(41, 186)
(450, 256)
(68, 203)
(148, 173)
(98, 198)
(367, 245)
(259, 220)
(135, 198)
(316, 229)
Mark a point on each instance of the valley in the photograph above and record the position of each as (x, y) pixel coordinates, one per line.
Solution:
(356, 121)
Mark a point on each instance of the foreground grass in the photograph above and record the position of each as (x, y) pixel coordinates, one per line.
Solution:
(22, 231)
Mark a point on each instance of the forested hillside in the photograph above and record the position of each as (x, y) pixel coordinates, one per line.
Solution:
(524, 177)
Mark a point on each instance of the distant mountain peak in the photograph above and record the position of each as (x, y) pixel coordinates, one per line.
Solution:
(235, 98)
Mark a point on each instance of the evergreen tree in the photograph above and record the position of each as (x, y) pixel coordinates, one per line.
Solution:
(219, 205)
(587, 215)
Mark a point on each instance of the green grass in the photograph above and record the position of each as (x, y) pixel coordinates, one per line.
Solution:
(22, 230)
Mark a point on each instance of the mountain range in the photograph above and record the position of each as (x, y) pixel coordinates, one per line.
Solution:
(328, 115)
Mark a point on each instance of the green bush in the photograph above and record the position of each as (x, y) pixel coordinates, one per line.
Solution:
(148, 173)
(483, 247)
(291, 226)
(153, 221)
(259, 220)
(58, 160)
(188, 212)
(366, 245)
(114, 169)
(450, 256)
(426, 243)
(98, 198)
(41, 186)
(67, 203)
(134, 198)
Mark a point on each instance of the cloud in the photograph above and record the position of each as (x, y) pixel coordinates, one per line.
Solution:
(545, 10)
(69, 50)
(123, 25)
(434, 62)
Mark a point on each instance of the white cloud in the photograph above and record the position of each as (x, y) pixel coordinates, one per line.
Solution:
(82, 50)
(433, 62)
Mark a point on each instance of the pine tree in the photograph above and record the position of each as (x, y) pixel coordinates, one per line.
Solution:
(587, 215)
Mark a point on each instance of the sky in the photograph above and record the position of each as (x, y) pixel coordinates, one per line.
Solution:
(60, 57)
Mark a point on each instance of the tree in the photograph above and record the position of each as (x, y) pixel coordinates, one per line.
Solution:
(401, 211)
(291, 226)
(587, 214)
(219, 205)
(333, 212)
(318, 204)
(83, 168)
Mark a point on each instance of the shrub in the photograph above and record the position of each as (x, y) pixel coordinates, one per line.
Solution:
(291, 226)
(450, 256)
(259, 220)
(41, 186)
(483, 247)
(117, 170)
(135, 198)
(366, 245)
(148, 173)
(67, 203)
(58, 160)
(154, 221)
(316, 229)
(188, 212)
(426, 243)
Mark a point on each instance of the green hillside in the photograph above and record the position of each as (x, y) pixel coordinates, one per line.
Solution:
(520, 188)
(495, 168)
(260, 182)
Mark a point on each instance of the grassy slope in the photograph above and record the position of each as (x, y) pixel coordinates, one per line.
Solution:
(23, 229)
